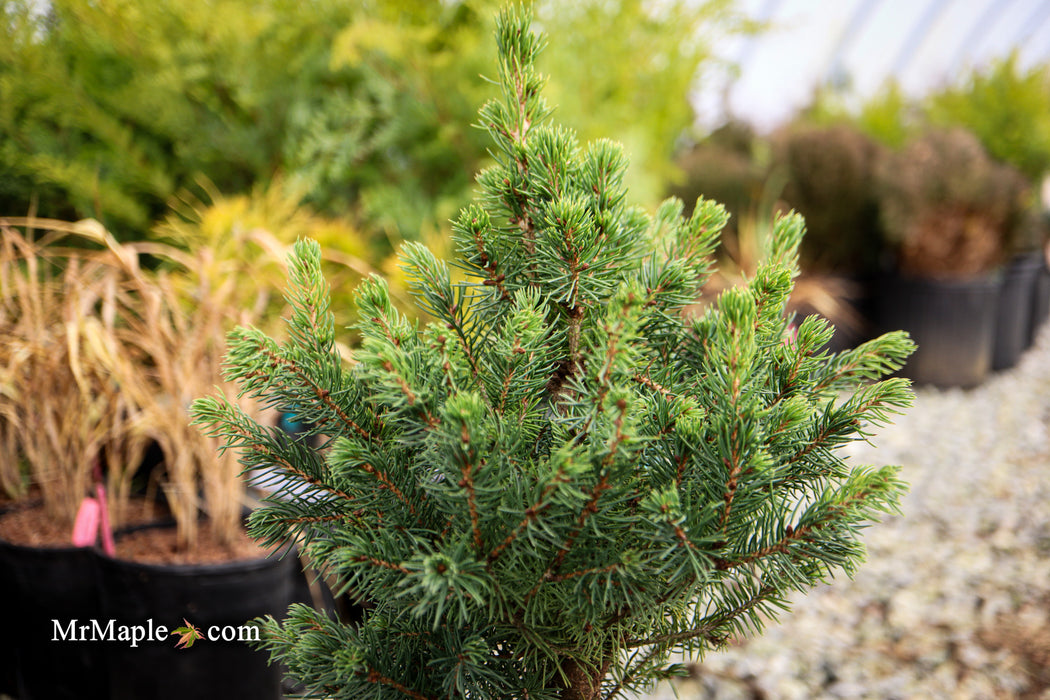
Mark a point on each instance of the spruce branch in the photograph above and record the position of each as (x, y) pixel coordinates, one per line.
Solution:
(481, 253)
(431, 282)
(286, 384)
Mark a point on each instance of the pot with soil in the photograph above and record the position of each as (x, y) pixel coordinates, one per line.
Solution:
(44, 584)
(949, 213)
(217, 599)
(131, 608)
(99, 359)
(1016, 310)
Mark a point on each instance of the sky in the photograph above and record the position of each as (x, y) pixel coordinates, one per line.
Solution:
(859, 43)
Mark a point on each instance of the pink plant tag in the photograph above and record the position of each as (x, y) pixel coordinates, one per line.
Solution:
(85, 528)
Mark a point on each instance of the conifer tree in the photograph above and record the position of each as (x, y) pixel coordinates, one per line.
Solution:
(563, 479)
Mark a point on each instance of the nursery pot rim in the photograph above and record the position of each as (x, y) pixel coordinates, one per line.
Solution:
(988, 277)
(195, 568)
(187, 569)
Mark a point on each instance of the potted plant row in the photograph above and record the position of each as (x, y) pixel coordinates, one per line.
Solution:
(957, 191)
(952, 216)
(933, 235)
(100, 357)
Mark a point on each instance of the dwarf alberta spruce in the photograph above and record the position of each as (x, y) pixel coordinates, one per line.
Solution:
(563, 479)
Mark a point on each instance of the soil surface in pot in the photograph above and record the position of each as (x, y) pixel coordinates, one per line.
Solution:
(32, 526)
(158, 546)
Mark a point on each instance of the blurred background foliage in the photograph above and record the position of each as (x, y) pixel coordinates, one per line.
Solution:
(866, 176)
(212, 122)
(1005, 106)
(364, 109)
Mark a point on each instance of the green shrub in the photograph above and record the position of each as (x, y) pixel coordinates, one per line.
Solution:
(830, 178)
(1007, 109)
(947, 208)
(109, 110)
(562, 481)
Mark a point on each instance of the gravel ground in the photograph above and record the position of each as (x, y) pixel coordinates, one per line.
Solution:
(954, 600)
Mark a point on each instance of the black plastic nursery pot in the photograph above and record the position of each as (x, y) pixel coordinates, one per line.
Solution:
(44, 589)
(1040, 301)
(218, 600)
(84, 625)
(953, 323)
(1015, 314)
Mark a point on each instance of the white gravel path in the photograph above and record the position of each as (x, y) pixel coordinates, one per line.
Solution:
(954, 600)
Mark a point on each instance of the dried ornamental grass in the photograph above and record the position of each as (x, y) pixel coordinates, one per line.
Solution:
(248, 236)
(58, 405)
(99, 357)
